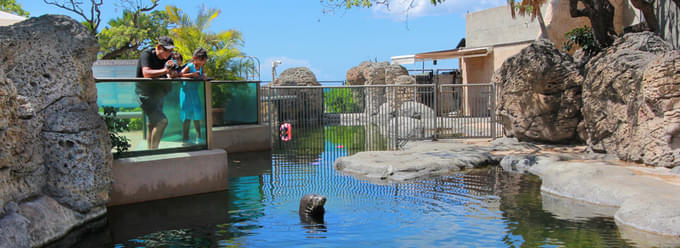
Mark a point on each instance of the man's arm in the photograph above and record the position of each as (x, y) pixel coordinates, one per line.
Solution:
(151, 73)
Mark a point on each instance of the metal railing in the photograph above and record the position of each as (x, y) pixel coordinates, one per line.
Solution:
(390, 115)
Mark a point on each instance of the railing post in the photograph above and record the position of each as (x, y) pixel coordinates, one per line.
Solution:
(436, 109)
(493, 110)
(207, 84)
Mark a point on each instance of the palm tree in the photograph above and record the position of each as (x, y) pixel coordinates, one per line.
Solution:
(222, 47)
(532, 7)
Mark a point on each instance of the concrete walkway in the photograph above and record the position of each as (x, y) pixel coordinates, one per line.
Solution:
(644, 201)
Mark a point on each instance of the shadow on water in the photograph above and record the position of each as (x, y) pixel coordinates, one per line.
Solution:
(476, 208)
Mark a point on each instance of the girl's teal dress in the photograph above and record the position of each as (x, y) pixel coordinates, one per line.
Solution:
(189, 99)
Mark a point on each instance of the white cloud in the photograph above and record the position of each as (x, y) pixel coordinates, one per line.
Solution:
(399, 9)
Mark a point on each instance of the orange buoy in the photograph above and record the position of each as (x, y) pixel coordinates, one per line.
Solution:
(285, 131)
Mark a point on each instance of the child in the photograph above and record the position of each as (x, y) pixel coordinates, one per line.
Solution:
(188, 95)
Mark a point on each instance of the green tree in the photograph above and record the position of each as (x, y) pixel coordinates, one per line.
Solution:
(223, 47)
(134, 31)
(601, 16)
(11, 6)
(531, 7)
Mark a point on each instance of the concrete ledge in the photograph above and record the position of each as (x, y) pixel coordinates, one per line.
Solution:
(246, 138)
(156, 177)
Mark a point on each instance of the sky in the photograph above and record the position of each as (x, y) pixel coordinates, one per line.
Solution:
(299, 33)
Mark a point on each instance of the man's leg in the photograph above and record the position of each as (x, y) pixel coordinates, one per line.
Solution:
(148, 135)
(157, 133)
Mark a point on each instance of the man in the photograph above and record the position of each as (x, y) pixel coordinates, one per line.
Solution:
(155, 63)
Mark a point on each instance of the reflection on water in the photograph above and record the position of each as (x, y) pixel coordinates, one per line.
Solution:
(476, 208)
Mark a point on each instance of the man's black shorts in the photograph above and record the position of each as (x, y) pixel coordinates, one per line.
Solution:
(153, 108)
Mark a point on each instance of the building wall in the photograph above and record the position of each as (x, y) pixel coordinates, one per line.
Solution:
(495, 26)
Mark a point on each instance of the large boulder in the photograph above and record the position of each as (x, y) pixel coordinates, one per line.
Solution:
(540, 92)
(355, 75)
(307, 103)
(631, 97)
(296, 76)
(55, 153)
(380, 73)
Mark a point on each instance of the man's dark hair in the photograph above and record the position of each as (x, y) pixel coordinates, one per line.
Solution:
(201, 53)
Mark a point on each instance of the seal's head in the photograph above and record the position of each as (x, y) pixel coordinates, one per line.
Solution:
(311, 207)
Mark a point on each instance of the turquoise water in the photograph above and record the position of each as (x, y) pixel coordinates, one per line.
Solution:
(477, 208)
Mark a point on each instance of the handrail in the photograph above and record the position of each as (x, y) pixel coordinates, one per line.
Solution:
(234, 81)
(352, 86)
(119, 79)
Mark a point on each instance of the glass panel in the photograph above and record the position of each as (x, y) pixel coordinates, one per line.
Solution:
(147, 105)
(234, 103)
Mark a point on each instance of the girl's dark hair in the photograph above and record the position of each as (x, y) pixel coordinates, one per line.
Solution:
(176, 55)
(201, 53)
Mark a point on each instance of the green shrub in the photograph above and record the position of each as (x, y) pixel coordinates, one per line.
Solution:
(582, 37)
(115, 126)
(338, 100)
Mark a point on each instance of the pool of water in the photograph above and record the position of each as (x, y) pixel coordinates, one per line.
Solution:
(476, 208)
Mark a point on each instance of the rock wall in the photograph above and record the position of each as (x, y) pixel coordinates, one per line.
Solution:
(628, 97)
(629, 94)
(540, 94)
(55, 159)
(382, 73)
(307, 104)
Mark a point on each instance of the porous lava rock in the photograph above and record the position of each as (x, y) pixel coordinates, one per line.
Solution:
(55, 153)
(540, 94)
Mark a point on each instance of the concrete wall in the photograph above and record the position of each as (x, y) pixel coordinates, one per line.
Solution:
(154, 177)
(244, 138)
(495, 26)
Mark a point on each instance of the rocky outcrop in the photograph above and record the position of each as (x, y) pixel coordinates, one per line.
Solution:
(642, 201)
(539, 94)
(355, 75)
(296, 76)
(382, 73)
(307, 104)
(631, 101)
(423, 159)
(55, 154)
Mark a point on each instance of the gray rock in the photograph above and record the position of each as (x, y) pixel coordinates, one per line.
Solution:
(15, 231)
(518, 163)
(540, 93)
(52, 140)
(355, 75)
(296, 76)
(508, 143)
(631, 101)
(405, 79)
(393, 72)
(572, 210)
(423, 159)
(676, 170)
(652, 213)
(416, 110)
(308, 103)
(521, 163)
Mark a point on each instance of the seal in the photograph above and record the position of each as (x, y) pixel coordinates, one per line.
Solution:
(311, 208)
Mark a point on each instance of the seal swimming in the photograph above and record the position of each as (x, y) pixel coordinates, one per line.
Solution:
(311, 208)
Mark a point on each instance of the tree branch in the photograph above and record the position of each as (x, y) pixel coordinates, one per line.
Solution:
(75, 6)
(647, 8)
